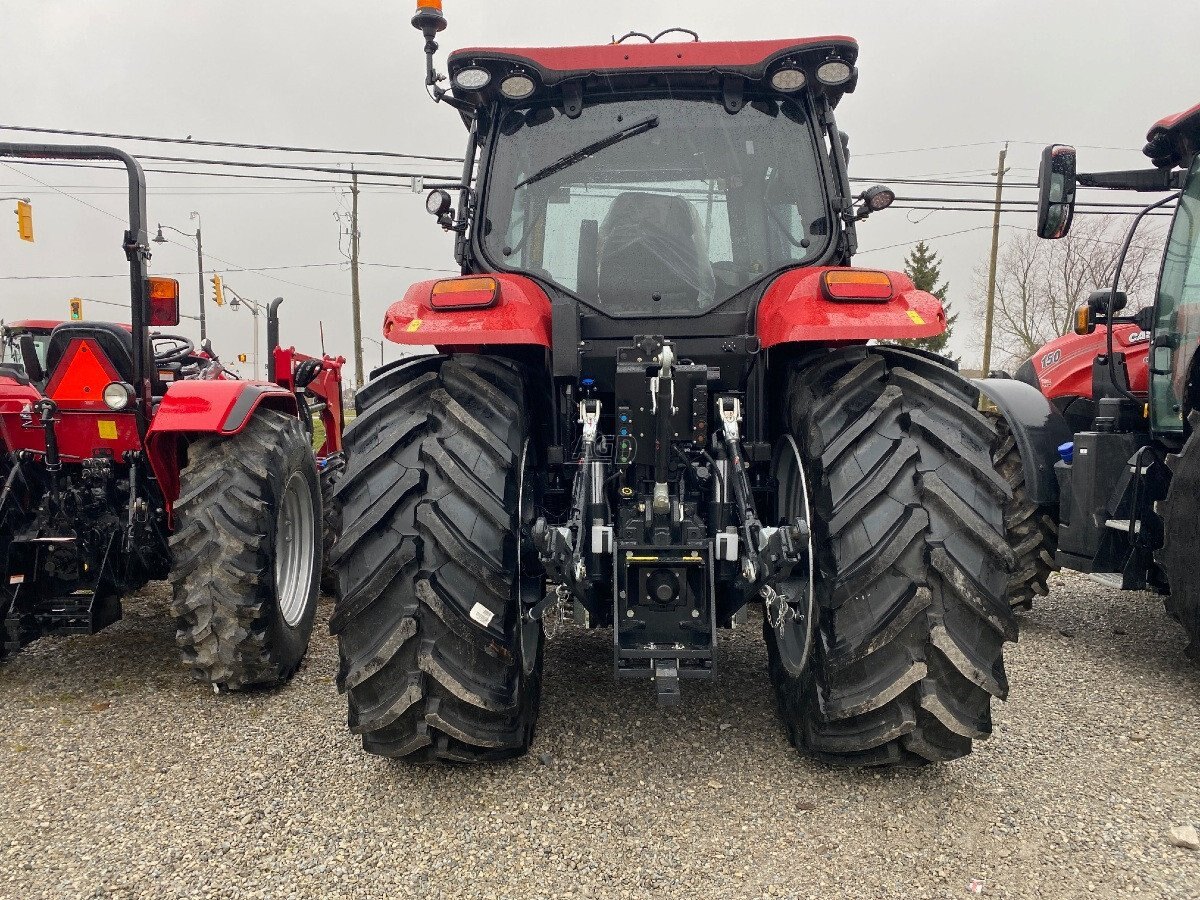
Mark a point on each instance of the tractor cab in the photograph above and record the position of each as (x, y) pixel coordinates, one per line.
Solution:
(1116, 474)
(657, 180)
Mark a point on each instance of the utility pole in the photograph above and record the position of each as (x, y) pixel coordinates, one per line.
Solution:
(991, 288)
(200, 268)
(356, 301)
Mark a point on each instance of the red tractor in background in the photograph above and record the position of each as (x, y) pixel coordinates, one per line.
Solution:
(1062, 369)
(1128, 476)
(125, 461)
(655, 401)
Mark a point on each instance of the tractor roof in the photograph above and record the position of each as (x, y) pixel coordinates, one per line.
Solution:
(1173, 140)
(632, 62)
(46, 325)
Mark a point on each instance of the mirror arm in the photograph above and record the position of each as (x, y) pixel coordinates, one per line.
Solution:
(1128, 180)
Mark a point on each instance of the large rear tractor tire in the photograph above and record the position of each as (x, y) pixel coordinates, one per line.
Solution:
(1032, 533)
(912, 563)
(438, 660)
(1181, 537)
(331, 511)
(247, 553)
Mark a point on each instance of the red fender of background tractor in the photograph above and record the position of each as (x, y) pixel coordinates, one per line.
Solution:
(205, 407)
(1063, 367)
(521, 315)
(795, 309)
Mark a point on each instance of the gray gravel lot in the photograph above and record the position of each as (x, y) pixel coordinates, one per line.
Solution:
(120, 777)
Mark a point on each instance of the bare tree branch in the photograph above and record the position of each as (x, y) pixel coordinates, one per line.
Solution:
(1040, 284)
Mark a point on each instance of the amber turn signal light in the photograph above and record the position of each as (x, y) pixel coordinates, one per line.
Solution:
(1083, 320)
(465, 293)
(856, 284)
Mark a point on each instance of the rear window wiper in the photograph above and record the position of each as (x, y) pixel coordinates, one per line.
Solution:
(590, 150)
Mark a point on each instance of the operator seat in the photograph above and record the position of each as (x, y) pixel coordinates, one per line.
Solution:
(115, 341)
(653, 246)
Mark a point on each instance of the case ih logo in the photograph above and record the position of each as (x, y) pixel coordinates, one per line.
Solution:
(1139, 337)
(1051, 358)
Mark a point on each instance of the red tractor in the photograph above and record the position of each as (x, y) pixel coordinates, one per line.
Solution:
(1062, 370)
(128, 458)
(1128, 475)
(655, 400)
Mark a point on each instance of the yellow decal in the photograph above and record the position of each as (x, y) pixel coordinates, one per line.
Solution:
(414, 325)
(107, 429)
(916, 317)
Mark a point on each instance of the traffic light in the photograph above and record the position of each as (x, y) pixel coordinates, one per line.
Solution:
(76, 309)
(218, 291)
(25, 220)
(241, 357)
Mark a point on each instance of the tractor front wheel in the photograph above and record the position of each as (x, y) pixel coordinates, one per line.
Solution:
(912, 563)
(247, 553)
(1032, 532)
(331, 473)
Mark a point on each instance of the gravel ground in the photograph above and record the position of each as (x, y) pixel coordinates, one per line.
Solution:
(119, 777)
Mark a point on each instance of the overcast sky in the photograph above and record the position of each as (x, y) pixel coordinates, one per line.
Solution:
(934, 75)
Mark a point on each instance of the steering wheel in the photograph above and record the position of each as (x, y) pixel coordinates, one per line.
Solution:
(170, 349)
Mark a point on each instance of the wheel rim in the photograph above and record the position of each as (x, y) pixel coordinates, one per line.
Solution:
(295, 536)
(795, 633)
(529, 585)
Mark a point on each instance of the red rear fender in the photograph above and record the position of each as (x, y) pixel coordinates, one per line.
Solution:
(205, 407)
(795, 309)
(520, 315)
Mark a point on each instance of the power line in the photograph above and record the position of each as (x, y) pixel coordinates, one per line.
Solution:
(932, 237)
(172, 240)
(434, 181)
(247, 164)
(230, 144)
(227, 271)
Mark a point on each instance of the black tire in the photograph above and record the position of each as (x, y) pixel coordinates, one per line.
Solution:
(9, 518)
(912, 562)
(434, 659)
(331, 518)
(1181, 537)
(1032, 533)
(231, 625)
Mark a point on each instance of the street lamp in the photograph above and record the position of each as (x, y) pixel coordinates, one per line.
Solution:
(159, 239)
(380, 343)
(254, 308)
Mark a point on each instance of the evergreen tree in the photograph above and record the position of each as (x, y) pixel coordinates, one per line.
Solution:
(924, 268)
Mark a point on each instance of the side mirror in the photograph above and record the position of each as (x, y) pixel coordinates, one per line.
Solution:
(1056, 191)
(164, 302)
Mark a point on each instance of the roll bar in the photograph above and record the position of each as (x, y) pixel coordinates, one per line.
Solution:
(135, 245)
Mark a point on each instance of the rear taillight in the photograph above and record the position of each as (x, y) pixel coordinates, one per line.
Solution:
(465, 293)
(856, 284)
(164, 302)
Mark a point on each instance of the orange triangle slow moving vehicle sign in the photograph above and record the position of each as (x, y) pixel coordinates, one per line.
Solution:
(80, 378)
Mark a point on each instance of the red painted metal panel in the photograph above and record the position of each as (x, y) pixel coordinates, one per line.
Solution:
(1064, 366)
(557, 63)
(794, 309)
(521, 316)
(203, 406)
